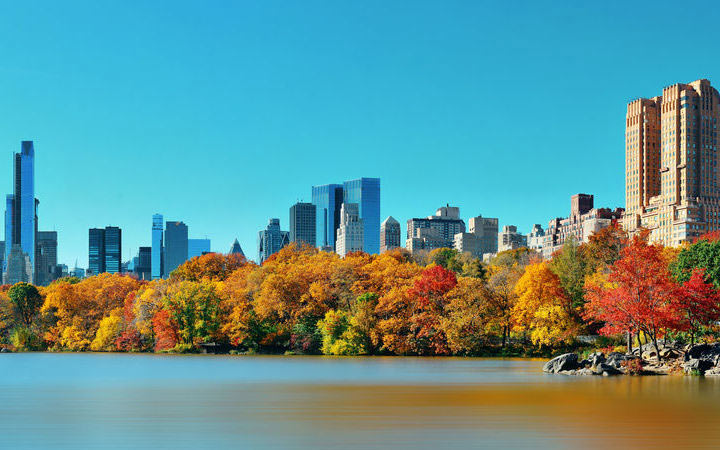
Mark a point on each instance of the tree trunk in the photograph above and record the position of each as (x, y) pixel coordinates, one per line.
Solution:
(628, 338)
(657, 348)
(639, 345)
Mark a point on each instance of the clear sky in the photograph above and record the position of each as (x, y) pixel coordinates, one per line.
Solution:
(223, 114)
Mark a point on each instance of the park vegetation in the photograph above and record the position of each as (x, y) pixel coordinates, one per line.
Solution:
(306, 301)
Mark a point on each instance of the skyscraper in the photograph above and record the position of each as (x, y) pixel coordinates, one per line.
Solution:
(302, 223)
(45, 257)
(113, 250)
(176, 245)
(104, 250)
(482, 237)
(436, 231)
(143, 264)
(198, 247)
(671, 163)
(389, 234)
(327, 200)
(271, 240)
(21, 217)
(366, 193)
(157, 256)
(351, 230)
(96, 251)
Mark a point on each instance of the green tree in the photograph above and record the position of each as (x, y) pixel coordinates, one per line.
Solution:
(27, 301)
(704, 254)
(195, 309)
(570, 267)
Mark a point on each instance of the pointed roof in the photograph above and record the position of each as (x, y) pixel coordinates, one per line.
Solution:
(390, 219)
(236, 249)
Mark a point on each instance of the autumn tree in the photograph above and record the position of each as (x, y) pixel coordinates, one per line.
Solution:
(571, 268)
(640, 296)
(27, 301)
(605, 246)
(194, 308)
(699, 303)
(542, 307)
(703, 254)
(466, 316)
(502, 298)
(209, 267)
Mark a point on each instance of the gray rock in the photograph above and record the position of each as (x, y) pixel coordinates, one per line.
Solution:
(616, 359)
(699, 365)
(566, 362)
(596, 358)
(607, 370)
(708, 352)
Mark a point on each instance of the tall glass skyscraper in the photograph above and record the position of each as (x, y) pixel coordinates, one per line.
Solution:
(21, 218)
(113, 250)
(176, 245)
(197, 247)
(96, 251)
(327, 200)
(157, 253)
(366, 193)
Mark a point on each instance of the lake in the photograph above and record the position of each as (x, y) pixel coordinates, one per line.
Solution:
(118, 401)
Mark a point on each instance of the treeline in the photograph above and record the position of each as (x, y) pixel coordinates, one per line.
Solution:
(302, 300)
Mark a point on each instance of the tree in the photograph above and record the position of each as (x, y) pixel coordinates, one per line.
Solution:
(27, 301)
(542, 308)
(502, 298)
(699, 303)
(194, 308)
(604, 247)
(209, 267)
(108, 331)
(570, 267)
(641, 296)
(703, 254)
(447, 258)
(466, 314)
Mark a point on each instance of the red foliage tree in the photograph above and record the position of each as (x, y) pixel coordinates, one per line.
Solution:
(699, 303)
(430, 300)
(640, 296)
(166, 334)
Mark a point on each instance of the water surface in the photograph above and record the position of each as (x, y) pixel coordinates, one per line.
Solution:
(79, 401)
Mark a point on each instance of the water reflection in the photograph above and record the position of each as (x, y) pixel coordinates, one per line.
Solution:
(140, 401)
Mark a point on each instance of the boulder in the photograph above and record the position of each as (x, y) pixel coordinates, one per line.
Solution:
(669, 353)
(708, 352)
(607, 370)
(698, 365)
(596, 358)
(616, 359)
(566, 362)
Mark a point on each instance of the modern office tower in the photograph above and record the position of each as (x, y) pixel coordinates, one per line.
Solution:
(2, 258)
(96, 251)
(45, 257)
(481, 238)
(21, 217)
(60, 271)
(235, 248)
(302, 223)
(510, 239)
(198, 247)
(113, 250)
(327, 200)
(436, 231)
(366, 193)
(350, 233)
(143, 263)
(271, 240)
(389, 234)
(671, 163)
(176, 245)
(536, 238)
(157, 265)
(584, 220)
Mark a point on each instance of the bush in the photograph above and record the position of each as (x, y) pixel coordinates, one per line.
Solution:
(633, 366)
(25, 340)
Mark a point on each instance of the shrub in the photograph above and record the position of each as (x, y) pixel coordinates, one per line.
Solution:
(633, 366)
(24, 339)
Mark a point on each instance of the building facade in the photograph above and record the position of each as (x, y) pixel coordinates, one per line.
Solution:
(45, 257)
(536, 238)
(176, 245)
(96, 251)
(143, 263)
(302, 223)
(113, 250)
(510, 239)
(583, 221)
(198, 247)
(389, 234)
(327, 200)
(157, 248)
(21, 218)
(104, 250)
(436, 231)
(671, 163)
(350, 234)
(365, 192)
(236, 249)
(481, 238)
(271, 240)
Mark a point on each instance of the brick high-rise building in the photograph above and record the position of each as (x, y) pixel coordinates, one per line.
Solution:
(671, 163)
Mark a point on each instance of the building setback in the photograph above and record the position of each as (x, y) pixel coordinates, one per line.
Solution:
(351, 230)
(389, 234)
(436, 231)
(303, 228)
(671, 163)
(271, 240)
(584, 220)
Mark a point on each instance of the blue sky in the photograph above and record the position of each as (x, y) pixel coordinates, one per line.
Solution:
(223, 114)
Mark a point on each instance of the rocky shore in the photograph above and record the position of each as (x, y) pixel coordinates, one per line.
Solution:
(700, 359)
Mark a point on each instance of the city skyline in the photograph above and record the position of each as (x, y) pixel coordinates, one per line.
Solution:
(390, 113)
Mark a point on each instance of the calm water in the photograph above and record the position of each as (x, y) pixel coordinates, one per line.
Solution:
(76, 401)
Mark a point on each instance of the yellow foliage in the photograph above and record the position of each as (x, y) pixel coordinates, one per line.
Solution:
(109, 329)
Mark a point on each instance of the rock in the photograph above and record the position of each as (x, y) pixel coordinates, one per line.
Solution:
(649, 354)
(714, 372)
(566, 362)
(709, 352)
(607, 370)
(669, 353)
(698, 365)
(616, 359)
(596, 358)
(5, 350)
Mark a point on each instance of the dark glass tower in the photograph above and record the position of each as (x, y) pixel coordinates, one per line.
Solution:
(113, 250)
(176, 245)
(366, 193)
(96, 251)
(302, 223)
(327, 200)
